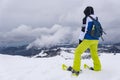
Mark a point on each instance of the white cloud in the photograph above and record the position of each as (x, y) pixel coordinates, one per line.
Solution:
(61, 35)
(35, 12)
(42, 37)
(42, 15)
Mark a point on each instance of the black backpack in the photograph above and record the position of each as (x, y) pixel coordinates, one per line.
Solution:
(97, 30)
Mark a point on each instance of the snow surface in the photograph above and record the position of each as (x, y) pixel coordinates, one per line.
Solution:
(22, 68)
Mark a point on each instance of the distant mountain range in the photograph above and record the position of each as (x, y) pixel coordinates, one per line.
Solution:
(55, 50)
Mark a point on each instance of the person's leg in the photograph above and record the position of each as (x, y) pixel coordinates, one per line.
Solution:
(77, 55)
(94, 55)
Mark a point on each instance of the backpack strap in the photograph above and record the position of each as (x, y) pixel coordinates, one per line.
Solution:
(94, 18)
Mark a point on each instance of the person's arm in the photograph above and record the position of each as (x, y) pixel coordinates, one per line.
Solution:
(82, 33)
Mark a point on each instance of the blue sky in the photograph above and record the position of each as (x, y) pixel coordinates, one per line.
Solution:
(24, 20)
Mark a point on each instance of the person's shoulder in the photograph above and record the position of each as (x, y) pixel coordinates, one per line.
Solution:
(94, 16)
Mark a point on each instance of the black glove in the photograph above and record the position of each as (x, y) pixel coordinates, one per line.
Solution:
(80, 41)
(83, 29)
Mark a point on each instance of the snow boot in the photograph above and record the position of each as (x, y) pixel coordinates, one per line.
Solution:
(91, 68)
(69, 68)
(74, 73)
(88, 67)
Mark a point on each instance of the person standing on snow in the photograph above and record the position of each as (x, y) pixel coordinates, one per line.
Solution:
(86, 41)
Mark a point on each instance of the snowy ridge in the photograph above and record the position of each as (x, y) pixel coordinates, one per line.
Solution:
(54, 50)
(22, 68)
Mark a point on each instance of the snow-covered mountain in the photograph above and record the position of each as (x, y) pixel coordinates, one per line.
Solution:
(54, 50)
(24, 68)
(45, 63)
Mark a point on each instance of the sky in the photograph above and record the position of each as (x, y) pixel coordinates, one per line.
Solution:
(28, 21)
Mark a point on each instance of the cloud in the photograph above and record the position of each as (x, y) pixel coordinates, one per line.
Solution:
(61, 35)
(41, 37)
(35, 12)
(47, 18)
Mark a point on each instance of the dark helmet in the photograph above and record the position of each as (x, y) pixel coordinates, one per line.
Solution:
(88, 11)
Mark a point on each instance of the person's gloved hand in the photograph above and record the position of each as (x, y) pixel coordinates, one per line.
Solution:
(80, 41)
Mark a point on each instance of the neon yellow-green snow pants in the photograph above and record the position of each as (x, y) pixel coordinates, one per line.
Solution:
(93, 46)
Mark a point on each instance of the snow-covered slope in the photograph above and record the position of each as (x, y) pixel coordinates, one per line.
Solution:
(22, 68)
